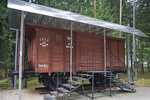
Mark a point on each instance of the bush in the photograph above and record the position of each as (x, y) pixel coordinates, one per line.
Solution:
(2, 73)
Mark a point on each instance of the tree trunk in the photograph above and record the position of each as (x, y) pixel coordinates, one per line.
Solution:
(148, 66)
(6, 72)
(142, 69)
(116, 14)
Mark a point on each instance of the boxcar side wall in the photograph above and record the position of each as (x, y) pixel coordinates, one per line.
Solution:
(43, 50)
(57, 50)
(67, 48)
(61, 49)
(87, 43)
(49, 48)
(116, 48)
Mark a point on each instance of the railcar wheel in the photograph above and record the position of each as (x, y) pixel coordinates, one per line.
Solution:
(51, 84)
(43, 78)
(47, 81)
(98, 79)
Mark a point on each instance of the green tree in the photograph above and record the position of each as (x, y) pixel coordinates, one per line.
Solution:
(6, 39)
(143, 23)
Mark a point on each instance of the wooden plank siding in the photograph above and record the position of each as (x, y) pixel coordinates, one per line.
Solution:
(49, 48)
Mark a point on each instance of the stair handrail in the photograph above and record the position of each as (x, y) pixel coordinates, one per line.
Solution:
(117, 58)
(81, 59)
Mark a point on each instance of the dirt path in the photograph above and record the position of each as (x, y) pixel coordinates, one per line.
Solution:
(143, 93)
(27, 94)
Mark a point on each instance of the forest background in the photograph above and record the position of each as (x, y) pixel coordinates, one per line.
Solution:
(108, 10)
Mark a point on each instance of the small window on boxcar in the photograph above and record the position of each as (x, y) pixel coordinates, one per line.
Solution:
(58, 38)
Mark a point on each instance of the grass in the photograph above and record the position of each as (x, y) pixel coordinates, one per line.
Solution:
(5, 84)
(32, 83)
(142, 80)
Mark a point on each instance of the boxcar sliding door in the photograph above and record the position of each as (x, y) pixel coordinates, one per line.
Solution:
(67, 49)
(44, 50)
(87, 43)
(57, 50)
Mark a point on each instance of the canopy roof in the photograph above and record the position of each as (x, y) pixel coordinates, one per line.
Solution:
(48, 16)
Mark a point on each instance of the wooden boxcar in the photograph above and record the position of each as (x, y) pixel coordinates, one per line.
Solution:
(49, 48)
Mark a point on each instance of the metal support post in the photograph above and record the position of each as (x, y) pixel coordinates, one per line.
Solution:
(16, 49)
(93, 85)
(83, 88)
(104, 52)
(105, 58)
(21, 47)
(128, 60)
(134, 49)
(16, 58)
(71, 53)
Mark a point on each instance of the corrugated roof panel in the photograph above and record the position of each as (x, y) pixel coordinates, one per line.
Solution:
(35, 10)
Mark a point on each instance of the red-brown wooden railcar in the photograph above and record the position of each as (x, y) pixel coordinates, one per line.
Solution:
(49, 48)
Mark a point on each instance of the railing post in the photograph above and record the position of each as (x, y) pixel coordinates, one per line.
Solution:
(110, 83)
(92, 61)
(110, 63)
(92, 85)
(57, 87)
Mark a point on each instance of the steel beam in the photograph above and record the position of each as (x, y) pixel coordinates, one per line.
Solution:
(79, 27)
(20, 58)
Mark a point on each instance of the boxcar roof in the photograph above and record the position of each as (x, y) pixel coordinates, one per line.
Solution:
(48, 16)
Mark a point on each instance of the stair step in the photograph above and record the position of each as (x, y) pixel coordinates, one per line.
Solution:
(61, 89)
(132, 83)
(48, 97)
(54, 93)
(68, 86)
(111, 75)
(74, 82)
(79, 78)
(88, 75)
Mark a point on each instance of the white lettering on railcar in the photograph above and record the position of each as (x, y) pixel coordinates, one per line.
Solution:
(68, 46)
(68, 38)
(43, 42)
(42, 65)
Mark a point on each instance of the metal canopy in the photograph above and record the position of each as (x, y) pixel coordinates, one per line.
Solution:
(48, 16)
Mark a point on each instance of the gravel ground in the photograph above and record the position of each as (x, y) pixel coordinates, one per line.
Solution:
(143, 93)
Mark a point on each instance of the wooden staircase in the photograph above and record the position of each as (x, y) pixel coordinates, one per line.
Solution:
(68, 83)
(64, 89)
